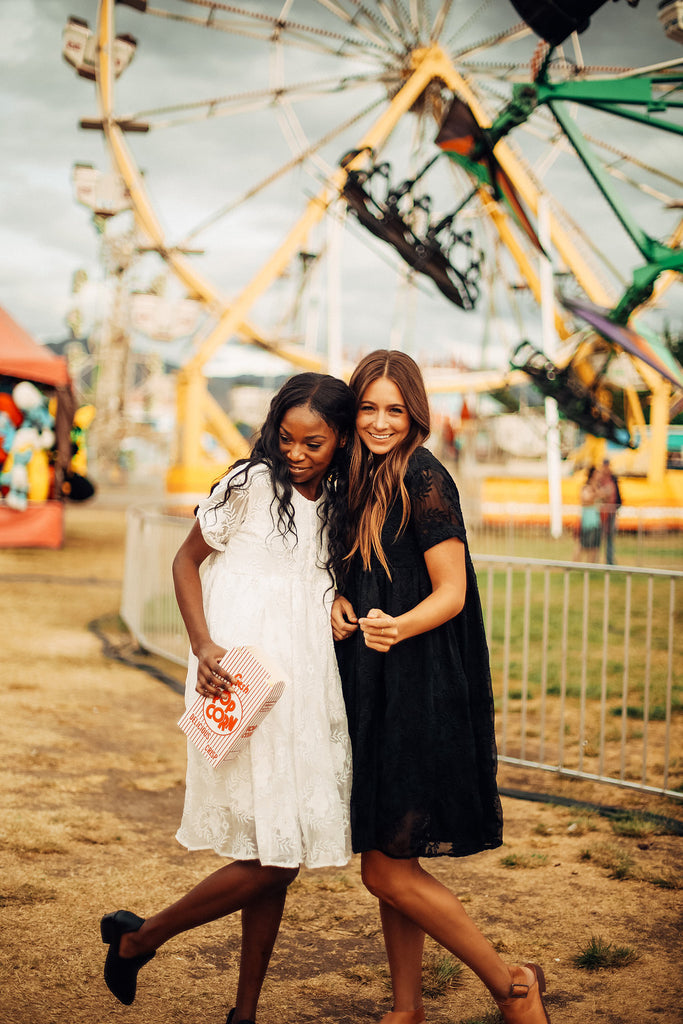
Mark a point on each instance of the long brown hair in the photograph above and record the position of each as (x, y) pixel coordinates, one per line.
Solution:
(374, 484)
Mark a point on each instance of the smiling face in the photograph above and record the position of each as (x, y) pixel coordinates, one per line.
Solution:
(308, 445)
(382, 420)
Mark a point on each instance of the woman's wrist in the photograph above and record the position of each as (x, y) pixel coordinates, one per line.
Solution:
(199, 642)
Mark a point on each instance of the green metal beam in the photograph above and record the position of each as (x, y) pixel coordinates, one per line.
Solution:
(645, 244)
(633, 91)
(618, 97)
(613, 96)
(609, 95)
(643, 282)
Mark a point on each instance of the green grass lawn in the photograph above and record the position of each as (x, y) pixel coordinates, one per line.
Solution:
(650, 550)
(596, 635)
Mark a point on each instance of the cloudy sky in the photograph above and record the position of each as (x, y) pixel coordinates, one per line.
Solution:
(195, 170)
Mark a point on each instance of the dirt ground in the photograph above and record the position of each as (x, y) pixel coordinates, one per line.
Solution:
(92, 789)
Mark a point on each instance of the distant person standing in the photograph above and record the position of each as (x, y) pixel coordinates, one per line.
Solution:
(590, 527)
(610, 501)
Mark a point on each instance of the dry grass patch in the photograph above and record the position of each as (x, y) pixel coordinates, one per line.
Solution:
(93, 799)
(599, 955)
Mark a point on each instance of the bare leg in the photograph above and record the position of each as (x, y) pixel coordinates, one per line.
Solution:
(260, 925)
(404, 943)
(230, 888)
(405, 886)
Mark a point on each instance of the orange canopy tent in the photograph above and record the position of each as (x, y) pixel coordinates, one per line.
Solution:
(22, 358)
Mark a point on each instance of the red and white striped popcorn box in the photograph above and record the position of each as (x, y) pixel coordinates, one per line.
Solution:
(220, 727)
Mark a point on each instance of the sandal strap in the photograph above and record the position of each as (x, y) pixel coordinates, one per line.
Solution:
(518, 990)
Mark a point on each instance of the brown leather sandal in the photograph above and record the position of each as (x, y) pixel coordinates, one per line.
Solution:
(524, 1003)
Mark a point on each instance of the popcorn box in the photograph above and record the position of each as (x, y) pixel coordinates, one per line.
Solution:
(221, 726)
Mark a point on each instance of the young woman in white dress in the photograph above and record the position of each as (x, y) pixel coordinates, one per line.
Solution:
(268, 532)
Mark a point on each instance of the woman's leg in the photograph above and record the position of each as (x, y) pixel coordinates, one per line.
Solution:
(260, 924)
(231, 888)
(406, 887)
(404, 943)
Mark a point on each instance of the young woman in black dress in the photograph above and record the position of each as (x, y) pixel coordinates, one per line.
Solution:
(415, 672)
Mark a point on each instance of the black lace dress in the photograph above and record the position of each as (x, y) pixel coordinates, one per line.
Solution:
(421, 715)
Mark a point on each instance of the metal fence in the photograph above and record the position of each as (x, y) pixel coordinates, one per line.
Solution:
(584, 661)
(585, 658)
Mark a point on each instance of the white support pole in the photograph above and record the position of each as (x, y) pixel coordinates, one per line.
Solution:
(310, 307)
(335, 231)
(549, 347)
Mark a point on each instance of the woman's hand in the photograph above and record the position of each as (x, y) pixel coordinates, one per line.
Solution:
(212, 679)
(343, 617)
(379, 630)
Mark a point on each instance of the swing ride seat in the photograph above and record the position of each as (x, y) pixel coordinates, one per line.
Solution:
(577, 402)
(423, 254)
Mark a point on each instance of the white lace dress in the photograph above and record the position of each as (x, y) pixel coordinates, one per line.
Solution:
(285, 799)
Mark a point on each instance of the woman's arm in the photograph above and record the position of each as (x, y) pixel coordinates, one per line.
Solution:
(446, 567)
(211, 678)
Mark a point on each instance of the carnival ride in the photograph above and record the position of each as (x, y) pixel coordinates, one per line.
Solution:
(504, 108)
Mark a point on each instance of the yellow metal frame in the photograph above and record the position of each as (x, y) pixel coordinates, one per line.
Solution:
(197, 412)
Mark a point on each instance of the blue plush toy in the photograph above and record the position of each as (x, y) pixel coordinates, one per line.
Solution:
(7, 432)
(26, 441)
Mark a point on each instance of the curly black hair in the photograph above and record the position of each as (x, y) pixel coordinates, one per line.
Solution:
(334, 402)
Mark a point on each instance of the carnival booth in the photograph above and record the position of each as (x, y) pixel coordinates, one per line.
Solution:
(36, 415)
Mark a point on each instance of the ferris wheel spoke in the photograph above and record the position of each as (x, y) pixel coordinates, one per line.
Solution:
(512, 34)
(390, 19)
(650, 69)
(440, 20)
(293, 131)
(639, 186)
(425, 20)
(374, 30)
(511, 71)
(394, 11)
(222, 106)
(469, 21)
(291, 128)
(518, 71)
(253, 25)
(635, 162)
(415, 17)
(296, 161)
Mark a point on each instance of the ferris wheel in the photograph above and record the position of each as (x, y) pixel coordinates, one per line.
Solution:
(322, 123)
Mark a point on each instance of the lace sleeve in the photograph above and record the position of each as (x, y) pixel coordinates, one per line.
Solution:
(434, 500)
(219, 519)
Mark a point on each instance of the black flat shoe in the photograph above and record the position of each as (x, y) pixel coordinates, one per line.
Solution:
(229, 1019)
(121, 973)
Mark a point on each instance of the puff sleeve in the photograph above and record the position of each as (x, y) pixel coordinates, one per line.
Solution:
(219, 519)
(434, 501)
